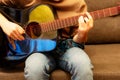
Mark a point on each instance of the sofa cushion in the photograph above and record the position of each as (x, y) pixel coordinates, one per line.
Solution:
(60, 75)
(11, 74)
(106, 61)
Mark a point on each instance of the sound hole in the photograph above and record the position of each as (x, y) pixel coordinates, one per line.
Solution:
(33, 30)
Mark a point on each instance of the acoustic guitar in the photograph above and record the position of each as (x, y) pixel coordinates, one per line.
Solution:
(66, 22)
(40, 21)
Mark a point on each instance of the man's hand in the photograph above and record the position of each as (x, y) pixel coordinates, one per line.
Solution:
(85, 24)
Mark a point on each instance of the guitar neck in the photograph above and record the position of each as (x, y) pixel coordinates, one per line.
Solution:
(105, 12)
(70, 21)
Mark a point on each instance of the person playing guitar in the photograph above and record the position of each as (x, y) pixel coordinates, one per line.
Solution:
(45, 54)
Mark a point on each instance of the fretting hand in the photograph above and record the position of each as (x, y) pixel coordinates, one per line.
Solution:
(85, 24)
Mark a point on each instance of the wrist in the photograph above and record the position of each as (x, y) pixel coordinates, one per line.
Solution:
(80, 37)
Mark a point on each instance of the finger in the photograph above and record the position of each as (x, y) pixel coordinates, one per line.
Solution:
(81, 20)
(18, 35)
(88, 15)
(11, 41)
(86, 19)
(13, 37)
(90, 19)
(82, 23)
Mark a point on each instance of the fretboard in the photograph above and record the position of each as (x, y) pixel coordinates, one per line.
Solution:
(70, 21)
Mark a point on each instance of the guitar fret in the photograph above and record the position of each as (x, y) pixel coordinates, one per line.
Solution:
(107, 12)
(114, 11)
(73, 23)
(58, 25)
(104, 12)
(43, 27)
(55, 25)
(62, 25)
(110, 11)
(62, 22)
(95, 14)
(46, 26)
(53, 28)
(98, 14)
(101, 13)
(74, 20)
(70, 21)
(92, 14)
(66, 21)
(50, 25)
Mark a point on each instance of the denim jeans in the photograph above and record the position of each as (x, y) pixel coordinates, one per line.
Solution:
(38, 66)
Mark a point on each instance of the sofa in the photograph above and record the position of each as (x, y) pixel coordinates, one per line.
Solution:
(103, 48)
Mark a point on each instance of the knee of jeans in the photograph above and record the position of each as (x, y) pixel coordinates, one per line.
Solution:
(77, 58)
(35, 63)
(86, 74)
(80, 64)
(81, 68)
